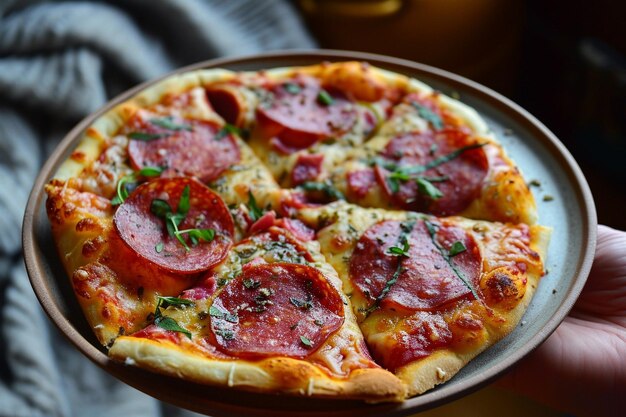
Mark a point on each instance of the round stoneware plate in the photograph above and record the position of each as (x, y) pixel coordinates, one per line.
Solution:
(564, 201)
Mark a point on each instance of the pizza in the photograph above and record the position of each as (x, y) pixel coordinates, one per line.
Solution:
(336, 230)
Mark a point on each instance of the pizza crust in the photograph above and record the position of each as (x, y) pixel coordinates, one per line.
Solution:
(285, 375)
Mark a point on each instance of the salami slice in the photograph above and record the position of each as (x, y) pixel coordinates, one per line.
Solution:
(142, 223)
(428, 276)
(276, 309)
(360, 182)
(458, 180)
(307, 168)
(302, 113)
(184, 147)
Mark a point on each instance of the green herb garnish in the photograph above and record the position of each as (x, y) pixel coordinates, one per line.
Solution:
(303, 304)
(162, 209)
(305, 341)
(432, 231)
(427, 114)
(169, 124)
(169, 323)
(326, 188)
(159, 247)
(324, 98)
(122, 191)
(426, 188)
(146, 136)
(251, 284)
(253, 209)
(292, 88)
(217, 313)
(456, 248)
(229, 129)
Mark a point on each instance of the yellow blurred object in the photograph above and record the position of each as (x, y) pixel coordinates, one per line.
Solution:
(479, 39)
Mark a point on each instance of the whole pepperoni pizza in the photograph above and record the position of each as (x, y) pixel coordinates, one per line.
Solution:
(336, 230)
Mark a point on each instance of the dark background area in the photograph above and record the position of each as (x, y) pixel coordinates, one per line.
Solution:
(564, 61)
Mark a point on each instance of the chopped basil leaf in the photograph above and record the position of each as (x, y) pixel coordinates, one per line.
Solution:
(145, 136)
(253, 209)
(432, 231)
(122, 190)
(401, 251)
(169, 323)
(225, 334)
(116, 201)
(324, 98)
(326, 188)
(394, 250)
(305, 341)
(430, 116)
(303, 304)
(292, 88)
(165, 302)
(168, 123)
(195, 235)
(426, 188)
(449, 157)
(217, 313)
(150, 171)
(251, 284)
(183, 203)
(159, 247)
(456, 248)
(229, 129)
(160, 208)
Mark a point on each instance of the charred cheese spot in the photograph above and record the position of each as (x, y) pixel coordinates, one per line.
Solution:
(503, 288)
(88, 224)
(93, 246)
(468, 330)
(340, 242)
(78, 156)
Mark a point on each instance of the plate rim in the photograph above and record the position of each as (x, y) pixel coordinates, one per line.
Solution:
(36, 268)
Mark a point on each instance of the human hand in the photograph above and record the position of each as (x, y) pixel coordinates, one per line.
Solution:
(581, 367)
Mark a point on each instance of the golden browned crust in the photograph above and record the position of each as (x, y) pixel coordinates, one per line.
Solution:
(285, 375)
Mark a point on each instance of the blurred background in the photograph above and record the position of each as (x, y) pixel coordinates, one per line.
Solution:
(564, 61)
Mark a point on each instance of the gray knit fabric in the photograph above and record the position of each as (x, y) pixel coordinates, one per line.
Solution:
(59, 61)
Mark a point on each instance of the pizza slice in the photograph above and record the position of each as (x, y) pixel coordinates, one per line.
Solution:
(303, 120)
(168, 144)
(270, 318)
(430, 293)
(435, 155)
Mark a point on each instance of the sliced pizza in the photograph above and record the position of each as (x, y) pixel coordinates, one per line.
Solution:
(430, 293)
(271, 318)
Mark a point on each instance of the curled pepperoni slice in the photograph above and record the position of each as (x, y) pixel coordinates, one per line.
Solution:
(143, 226)
(307, 168)
(184, 147)
(275, 309)
(459, 179)
(360, 182)
(302, 113)
(427, 278)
